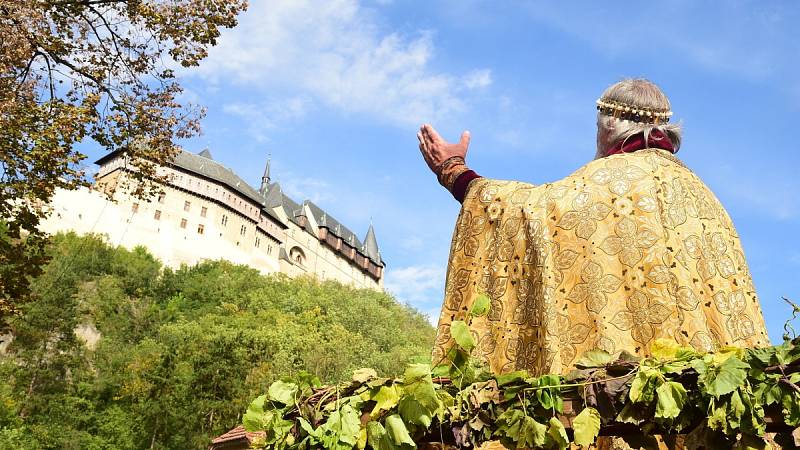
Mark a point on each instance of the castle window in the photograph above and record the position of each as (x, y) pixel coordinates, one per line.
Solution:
(269, 249)
(135, 208)
(157, 215)
(258, 242)
(224, 220)
(203, 211)
(243, 230)
(161, 197)
(297, 255)
(186, 205)
(200, 229)
(183, 223)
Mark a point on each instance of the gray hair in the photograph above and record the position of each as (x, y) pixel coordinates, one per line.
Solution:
(636, 92)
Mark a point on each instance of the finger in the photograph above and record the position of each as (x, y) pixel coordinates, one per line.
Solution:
(465, 137)
(420, 138)
(432, 134)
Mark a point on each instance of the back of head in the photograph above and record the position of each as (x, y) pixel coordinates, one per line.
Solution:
(631, 107)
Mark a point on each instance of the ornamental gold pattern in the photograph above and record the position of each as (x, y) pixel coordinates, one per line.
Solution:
(628, 249)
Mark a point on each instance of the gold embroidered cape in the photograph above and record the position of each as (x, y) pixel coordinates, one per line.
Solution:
(628, 249)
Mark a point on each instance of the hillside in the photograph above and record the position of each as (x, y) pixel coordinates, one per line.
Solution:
(168, 359)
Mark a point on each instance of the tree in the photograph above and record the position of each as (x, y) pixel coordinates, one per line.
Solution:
(103, 70)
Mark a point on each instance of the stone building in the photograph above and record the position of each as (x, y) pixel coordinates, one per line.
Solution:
(206, 212)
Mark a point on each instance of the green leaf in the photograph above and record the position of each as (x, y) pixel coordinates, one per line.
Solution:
(532, 434)
(254, 418)
(664, 349)
(282, 392)
(644, 385)
(398, 433)
(480, 306)
(361, 376)
(671, 398)
(593, 358)
(511, 377)
(460, 332)
(556, 434)
(385, 399)
(726, 377)
(376, 436)
(586, 426)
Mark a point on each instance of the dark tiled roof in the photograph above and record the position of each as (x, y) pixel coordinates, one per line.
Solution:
(334, 226)
(202, 164)
(371, 245)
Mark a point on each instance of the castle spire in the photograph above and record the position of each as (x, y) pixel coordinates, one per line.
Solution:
(371, 245)
(265, 178)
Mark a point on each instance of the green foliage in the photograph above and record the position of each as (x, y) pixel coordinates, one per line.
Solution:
(717, 399)
(181, 352)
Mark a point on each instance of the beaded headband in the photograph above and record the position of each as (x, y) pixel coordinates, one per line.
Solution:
(633, 113)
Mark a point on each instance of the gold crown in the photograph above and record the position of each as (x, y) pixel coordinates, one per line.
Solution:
(633, 113)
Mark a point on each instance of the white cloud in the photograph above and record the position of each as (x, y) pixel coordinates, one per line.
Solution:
(421, 286)
(265, 116)
(304, 188)
(338, 53)
(477, 79)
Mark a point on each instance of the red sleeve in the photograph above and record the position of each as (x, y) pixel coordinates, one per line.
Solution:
(461, 184)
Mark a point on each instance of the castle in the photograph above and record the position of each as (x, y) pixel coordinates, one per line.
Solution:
(204, 211)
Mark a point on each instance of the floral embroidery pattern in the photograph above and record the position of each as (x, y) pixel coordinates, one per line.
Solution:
(640, 317)
(711, 255)
(455, 285)
(678, 204)
(739, 324)
(629, 242)
(594, 288)
(585, 216)
(567, 336)
(467, 232)
(618, 175)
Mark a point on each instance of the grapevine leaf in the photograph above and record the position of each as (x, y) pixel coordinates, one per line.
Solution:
(376, 436)
(593, 358)
(532, 434)
(398, 433)
(282, 392)
(480, 306)
(460, 332)
(414, 412)
(735, 410)
(386, 398)
(512, 377)
(726, 377)
(586, 426)
(254, 418)
(361, 376)
(644, 385)
(671, 398)
(556, 434)
(664, 349)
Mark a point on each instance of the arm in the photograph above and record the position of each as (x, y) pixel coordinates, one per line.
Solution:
(447, 160)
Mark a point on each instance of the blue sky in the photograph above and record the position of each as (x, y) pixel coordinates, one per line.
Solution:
(335, 91)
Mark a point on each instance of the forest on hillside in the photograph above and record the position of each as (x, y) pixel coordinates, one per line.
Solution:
(180, 352)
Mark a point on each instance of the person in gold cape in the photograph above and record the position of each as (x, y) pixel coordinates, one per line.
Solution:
(629, 248)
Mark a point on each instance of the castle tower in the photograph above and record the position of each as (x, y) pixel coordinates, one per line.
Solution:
(265, 178)
(371, 245)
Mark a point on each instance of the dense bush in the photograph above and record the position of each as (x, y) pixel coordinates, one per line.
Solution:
(180, 352)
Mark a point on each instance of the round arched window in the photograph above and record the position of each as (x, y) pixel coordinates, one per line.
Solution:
(297, 255)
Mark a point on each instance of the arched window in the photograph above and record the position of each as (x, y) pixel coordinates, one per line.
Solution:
(297, 255)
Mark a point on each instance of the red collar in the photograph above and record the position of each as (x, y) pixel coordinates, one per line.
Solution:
(656, 139)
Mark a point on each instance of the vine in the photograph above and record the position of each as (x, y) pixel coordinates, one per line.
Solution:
(726, 399)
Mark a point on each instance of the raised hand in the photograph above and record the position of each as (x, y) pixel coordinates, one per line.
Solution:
(436, 150)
